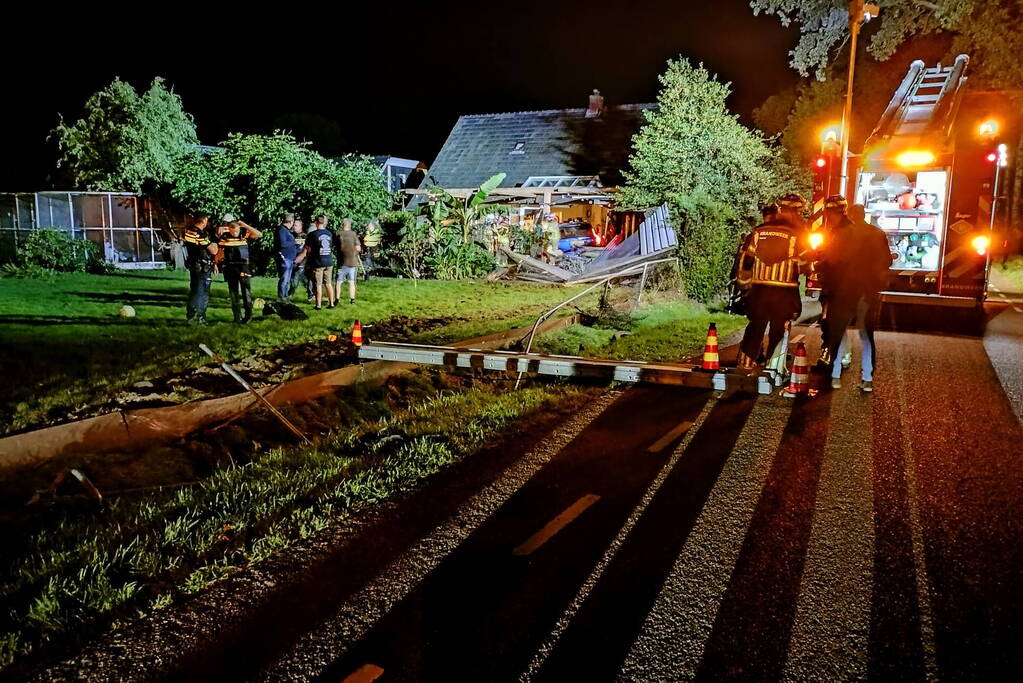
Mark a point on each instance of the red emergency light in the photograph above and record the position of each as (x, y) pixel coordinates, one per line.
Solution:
(821, 162)
(991, 157)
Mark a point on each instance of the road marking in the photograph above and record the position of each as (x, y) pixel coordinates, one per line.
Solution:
(367, 673)
(555, 525)
(663, 442)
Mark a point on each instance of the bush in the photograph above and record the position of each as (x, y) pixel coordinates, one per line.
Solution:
(56, 250)
(455, 259)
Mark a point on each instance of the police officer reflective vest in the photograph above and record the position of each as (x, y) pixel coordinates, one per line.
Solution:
(771, 256)
(235, 249)
(197, 255)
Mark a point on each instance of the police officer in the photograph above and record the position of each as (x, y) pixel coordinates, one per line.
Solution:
(769, 267)
(199, 254)
(234, 238)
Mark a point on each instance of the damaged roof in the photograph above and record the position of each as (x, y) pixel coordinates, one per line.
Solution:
(552, 142)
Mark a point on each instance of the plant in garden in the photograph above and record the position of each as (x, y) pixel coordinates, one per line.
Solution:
(124, 140)
(413, 247)
(56, 250)
(712, 171)
(454, 258)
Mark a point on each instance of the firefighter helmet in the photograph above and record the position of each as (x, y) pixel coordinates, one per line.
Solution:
(792, 201)
(836, 201)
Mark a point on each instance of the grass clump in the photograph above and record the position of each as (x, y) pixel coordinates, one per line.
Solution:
(86, 569)
(662, 330)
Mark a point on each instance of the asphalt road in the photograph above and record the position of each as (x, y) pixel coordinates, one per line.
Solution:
(673, 534)
(680, 535)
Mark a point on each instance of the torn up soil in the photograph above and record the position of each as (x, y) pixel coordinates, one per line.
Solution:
(272, 366)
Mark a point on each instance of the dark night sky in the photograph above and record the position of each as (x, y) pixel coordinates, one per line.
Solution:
(394, 79)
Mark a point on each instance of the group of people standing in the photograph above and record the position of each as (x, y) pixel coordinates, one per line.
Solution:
(302, 259)
(852, 261)
(312, 257)
(226, 248)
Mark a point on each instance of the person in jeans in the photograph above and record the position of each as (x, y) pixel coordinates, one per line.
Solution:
(301, 275)
(320, 258)
(855, 268)
(199, 254)
(285, 253)
(234, 238)
(348, 249)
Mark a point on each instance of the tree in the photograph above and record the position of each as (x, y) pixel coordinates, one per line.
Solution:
(125, 140)
(713, 172)
(261, 177)
(990, 31)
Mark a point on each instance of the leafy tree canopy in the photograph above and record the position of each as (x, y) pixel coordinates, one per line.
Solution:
(260, 177)
(126, 140)
(990, 31)
(714, 172)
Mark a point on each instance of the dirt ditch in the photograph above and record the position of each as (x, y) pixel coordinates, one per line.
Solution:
(263, 369)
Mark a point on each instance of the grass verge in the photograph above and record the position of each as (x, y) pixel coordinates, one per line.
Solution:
(664, 330)
(82, 569)
(1012, 271)
(67, 349)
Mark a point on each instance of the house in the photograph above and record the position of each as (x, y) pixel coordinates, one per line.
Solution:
(399, 173)
(562, 160)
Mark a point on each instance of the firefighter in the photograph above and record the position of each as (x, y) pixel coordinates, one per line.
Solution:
(199, 254)
(234, 238)
(769, 268)
(835, 222)
(374, 235)
(855, 269)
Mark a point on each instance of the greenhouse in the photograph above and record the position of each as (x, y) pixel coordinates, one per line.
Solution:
(120, 222)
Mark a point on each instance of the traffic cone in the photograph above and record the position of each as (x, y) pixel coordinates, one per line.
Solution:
(798, 383)
(357, 333)
(710, 349)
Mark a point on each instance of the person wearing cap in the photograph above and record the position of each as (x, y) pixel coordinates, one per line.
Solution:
(200, 251)
(769, 270)
(855, 269)
(234, 236)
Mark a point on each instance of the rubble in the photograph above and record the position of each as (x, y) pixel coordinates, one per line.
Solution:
(654, 240)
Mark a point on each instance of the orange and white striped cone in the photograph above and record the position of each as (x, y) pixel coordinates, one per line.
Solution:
(710, 349)
(357, 334)
(799, 380)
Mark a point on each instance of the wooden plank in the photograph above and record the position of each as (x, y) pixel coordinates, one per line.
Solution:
(559, 273)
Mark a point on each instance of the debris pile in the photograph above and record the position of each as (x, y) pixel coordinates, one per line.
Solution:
(654, 240)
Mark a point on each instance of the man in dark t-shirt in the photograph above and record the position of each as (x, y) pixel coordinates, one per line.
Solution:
(318, 245)
(348, 249)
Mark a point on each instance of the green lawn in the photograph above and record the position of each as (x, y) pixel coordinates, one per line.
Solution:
(664, 330)
(66, 348)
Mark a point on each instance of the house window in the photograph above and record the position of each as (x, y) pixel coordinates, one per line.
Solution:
(519, 148)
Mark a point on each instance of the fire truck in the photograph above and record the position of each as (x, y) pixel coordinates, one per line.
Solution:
(929, 177)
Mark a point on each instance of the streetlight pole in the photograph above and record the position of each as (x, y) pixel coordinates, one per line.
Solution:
(858, 13)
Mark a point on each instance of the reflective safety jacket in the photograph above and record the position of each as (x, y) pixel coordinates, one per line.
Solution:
(771, 256)
(197, 255)
(235, 249)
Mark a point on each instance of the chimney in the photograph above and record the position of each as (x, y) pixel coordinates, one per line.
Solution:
(596, 105)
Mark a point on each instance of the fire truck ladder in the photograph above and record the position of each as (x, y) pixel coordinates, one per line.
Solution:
(924, 104)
